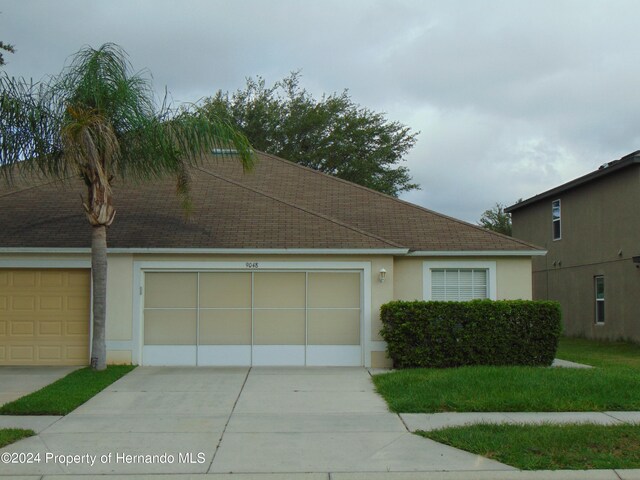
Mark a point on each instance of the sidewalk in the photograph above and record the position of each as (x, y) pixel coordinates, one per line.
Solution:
(412, 422)
(434, 421)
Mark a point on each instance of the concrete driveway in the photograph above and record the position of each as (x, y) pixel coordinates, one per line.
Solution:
(217, 420)
(16, 382)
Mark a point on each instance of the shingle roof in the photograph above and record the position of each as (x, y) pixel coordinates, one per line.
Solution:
(278, 205)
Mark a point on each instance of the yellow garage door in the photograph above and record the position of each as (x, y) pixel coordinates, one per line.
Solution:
(44, 317)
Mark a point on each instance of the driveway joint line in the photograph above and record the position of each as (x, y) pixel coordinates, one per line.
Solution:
(397, 414)
(404, 423)
(45, 429)
(215, 452)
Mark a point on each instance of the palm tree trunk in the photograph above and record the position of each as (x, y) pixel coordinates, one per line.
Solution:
(99, 277)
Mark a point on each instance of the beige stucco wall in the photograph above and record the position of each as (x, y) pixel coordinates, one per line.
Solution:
(119, 357)
(408, 279)
(513, 276)
(119, 297)
(513, 279)
(404, 281)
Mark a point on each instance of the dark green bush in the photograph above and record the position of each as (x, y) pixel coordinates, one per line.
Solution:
(479, 332)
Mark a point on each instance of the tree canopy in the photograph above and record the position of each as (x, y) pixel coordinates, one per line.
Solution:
(7, 48)
(496, 220)
(332, 134)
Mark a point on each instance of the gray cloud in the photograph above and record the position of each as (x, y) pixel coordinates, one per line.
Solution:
(511, 97)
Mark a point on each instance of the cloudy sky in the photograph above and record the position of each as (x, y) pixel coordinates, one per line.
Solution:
(511, 97)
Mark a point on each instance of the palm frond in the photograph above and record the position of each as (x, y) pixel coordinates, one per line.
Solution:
(99, 114)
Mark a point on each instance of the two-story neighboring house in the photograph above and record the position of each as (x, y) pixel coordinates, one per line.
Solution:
(590, 227)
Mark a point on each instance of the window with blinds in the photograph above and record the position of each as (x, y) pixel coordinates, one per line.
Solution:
(459, 284)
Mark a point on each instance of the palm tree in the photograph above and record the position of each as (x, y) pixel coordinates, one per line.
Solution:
(99, 120)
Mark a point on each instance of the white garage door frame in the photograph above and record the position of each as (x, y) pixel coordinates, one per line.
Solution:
(141, 267)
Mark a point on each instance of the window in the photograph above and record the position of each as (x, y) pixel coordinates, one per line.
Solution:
(458, 284)
(459, 280)
(555, 220)
(599, 290)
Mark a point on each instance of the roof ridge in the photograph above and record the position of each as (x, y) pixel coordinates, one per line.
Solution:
(389, 197)
(298, 207)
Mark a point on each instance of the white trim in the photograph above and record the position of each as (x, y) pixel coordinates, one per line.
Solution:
(199, 266)
(224, 355)
(287, 251)
(365, 327)
(334, 355)
(477, 253)
(559, 220)
(169, 355)
(137, 315)
(225, 251)
(429, 265)
(85, 250)
(138, 293)
(281, 355)
(36, 263)
(378, 346)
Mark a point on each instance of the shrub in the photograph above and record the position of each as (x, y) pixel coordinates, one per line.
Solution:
(479, 332)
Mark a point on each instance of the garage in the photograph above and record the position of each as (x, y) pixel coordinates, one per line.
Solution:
(44, 316)
(244, 318)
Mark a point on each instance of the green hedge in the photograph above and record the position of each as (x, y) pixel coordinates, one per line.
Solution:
(480, 332)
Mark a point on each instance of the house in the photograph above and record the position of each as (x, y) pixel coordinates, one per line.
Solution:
(590, 227)
(280, 266)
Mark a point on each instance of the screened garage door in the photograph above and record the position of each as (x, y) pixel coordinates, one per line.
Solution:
(252, 318)
(44, 317)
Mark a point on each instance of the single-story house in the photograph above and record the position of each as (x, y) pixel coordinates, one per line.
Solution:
(280, 266)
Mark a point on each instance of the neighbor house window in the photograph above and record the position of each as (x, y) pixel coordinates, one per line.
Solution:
(459, 281)
(599, 288)
(555, 220)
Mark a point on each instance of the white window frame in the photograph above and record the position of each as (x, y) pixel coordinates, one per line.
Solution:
(490, 266)
(554, 220)
(599, 300)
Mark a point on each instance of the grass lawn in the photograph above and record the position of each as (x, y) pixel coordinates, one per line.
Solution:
(548, 447)
(66, 394)
(614, 385)
(10, 435)
(600, 354)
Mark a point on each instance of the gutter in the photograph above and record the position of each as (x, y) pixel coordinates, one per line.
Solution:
(210, 251)
(477, 253)
(282, 251)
